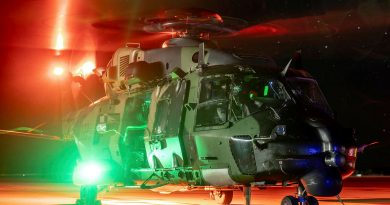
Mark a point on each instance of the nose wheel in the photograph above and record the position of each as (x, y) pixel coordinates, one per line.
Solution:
(289, 200)
(311, 200)
(222, 197)
(226, 196)
(88, 196)
(300, 199)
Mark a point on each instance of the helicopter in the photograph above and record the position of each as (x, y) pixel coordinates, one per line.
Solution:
(189, 116)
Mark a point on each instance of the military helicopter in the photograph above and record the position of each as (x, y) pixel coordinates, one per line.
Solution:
(189, 116)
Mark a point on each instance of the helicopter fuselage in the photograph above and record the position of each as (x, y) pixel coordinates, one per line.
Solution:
(233, 120)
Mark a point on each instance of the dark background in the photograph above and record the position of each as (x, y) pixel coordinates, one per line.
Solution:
(345, 45)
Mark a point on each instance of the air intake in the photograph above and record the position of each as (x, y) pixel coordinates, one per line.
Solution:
(123, 63)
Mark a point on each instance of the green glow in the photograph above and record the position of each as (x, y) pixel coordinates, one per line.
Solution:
(101, 127)
(251, 96)
(174, 75)
(90, 172)
(136, 127)
(146, 105)
(27, 129)
(266, 90)
(147, 102)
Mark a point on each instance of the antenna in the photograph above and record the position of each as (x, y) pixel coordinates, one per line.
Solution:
(283, 73)
(201, 61)
(297, 60)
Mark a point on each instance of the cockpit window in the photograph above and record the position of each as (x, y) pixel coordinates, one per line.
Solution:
(213, 89)
(213, 102)
(255, 87)
(250, 93)
(308, 91)
(231, 98)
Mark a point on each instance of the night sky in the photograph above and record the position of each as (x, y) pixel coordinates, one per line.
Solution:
(345, 46)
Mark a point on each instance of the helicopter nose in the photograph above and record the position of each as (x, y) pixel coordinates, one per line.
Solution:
(338, 147)
(332, 146)
(338, 156)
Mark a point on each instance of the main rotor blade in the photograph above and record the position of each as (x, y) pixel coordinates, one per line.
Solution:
(29, 134)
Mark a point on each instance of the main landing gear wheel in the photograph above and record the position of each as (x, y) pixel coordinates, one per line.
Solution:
(289, 200)
(300, 199)
(311, 200)
(222, 197)
(88, 196)
(247, 194)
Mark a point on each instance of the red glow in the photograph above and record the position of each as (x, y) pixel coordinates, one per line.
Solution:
(351, 156)
(151, 40)
(87, 68)
(188, 15)
(262, 30)
(60, 27)
(58, 71)
(218, 17)
(59, 43)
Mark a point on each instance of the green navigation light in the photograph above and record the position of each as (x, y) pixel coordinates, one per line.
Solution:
(265, 91)
(90, 172)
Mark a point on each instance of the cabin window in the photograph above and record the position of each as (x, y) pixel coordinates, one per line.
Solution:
(107, 124)
(133, 127)
(160, 121)
(137, 110)
(213, 102)
(178, 90)
(169, 109)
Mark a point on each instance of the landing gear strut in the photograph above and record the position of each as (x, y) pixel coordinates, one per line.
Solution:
(300, 199)
(222, 197)
(88, 196)
(247, 194)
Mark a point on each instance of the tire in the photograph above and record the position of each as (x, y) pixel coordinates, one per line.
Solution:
(311, 200)
(88, 196)
(289, 200)
(212, 196)
(84, 202)
(223, 197)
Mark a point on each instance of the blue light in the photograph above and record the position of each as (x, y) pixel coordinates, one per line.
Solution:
(313, 150)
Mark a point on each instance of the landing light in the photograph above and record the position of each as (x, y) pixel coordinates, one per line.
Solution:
(87, 68)
(58, 71)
